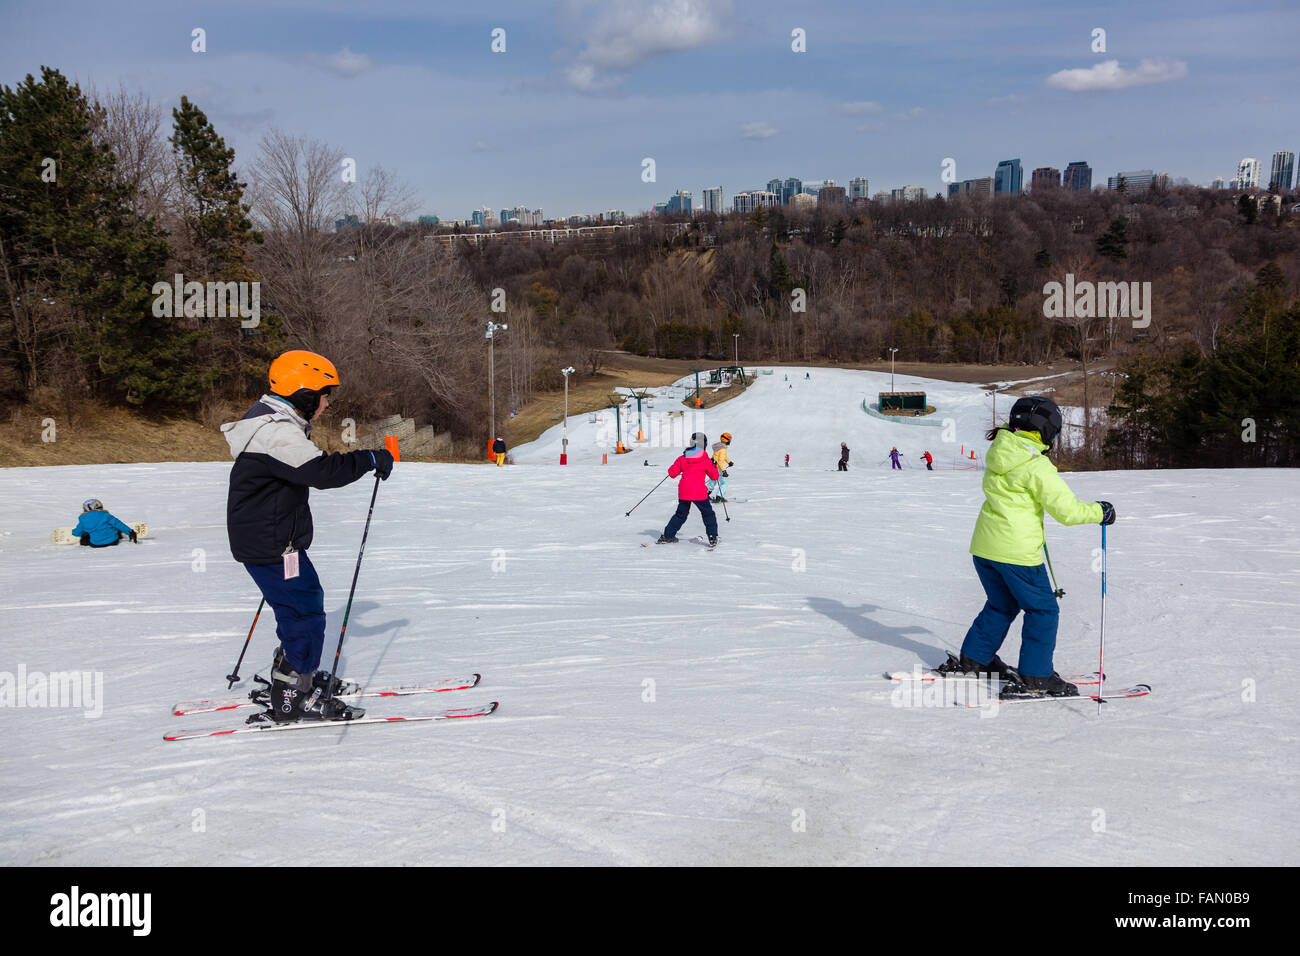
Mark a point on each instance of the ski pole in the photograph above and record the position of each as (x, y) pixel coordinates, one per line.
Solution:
(1101, 647)
(233, 676)
(648, 494)
(724, 508)
(329, 688)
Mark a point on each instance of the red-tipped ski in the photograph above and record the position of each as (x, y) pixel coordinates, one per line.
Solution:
(928, 675)
(1137, 690)
(187, 707)
(259, 728)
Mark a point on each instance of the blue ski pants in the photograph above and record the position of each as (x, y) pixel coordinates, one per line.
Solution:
(299, 605)
(684, 509)
(1012, 588)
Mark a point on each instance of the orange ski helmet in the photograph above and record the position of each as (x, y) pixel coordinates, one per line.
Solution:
(302, 377)
(726, 436)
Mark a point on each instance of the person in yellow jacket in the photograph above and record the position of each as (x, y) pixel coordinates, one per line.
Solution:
(1020, 483)
(718, 489)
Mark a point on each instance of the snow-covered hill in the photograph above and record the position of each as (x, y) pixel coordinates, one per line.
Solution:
(665, 705)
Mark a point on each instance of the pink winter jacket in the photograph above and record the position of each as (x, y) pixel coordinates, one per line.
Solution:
(693, 467)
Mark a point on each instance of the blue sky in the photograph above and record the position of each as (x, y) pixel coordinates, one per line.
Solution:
(710, 89)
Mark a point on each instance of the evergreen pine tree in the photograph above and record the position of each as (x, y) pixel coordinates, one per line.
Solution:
(78, 271)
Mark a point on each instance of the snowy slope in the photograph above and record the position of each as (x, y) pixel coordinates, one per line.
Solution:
(784, 413)
(664, 705)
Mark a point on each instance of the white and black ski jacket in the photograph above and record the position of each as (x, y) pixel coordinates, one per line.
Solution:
(275, 465)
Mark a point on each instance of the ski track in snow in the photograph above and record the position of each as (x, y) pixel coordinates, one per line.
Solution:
(665, 705)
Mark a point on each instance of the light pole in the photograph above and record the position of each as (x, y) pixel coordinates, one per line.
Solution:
(736, 336)
(493, 327)
(891, 369)
(564, 445)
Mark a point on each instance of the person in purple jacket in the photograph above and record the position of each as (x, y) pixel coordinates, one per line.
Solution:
(893, 456)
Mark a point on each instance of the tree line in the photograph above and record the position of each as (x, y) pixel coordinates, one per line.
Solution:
(100, 199)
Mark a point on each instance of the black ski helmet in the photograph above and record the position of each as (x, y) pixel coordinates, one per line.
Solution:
(699, 440)
(1036, 414)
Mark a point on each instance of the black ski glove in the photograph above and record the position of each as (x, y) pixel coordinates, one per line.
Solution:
(383, 463)
(1107, 512)
(724, 474)
(133, 537)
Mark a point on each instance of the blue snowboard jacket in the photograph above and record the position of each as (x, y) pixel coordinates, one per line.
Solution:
(101, 525)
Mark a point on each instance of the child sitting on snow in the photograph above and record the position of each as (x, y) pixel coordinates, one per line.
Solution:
(98, 529)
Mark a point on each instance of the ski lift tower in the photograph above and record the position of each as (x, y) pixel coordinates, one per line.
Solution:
(640, 396)
(617, 407)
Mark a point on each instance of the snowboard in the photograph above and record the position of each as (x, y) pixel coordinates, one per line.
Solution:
(64, 535)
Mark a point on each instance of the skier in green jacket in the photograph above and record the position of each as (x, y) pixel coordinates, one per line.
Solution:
(1020, 483)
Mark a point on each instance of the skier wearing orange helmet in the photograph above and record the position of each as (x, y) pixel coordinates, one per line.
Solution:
(718, 489)
(269, 522)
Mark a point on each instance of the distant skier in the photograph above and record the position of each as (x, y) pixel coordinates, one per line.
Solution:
(96, 528)
(844, 457)
(929, 461)
(268, 519)
(499, 449)
(787, 461)
(718, 489)
(807, 375)
(694, 465)
(1020, 483)
(893, 457)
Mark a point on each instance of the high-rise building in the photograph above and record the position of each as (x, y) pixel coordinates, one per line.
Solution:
(790, 188)
(858, 188)
(752, 199)
(907, 193)
(711, 199)
(1045, 177)
(831, 196)
(775, 186)
(1007, 178)
(1135, 181)
(982, 187)
(680, 201)
(802, 201)
(1248, 173)
(1078, 177)
(428, 220)
(613, 215)
(1283, 170)
(1218, 183)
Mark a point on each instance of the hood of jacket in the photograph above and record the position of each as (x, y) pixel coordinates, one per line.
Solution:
(1010, 450)
(269, 408)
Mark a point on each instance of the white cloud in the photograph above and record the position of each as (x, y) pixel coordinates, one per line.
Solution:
(614, 37)
(757, 131)
(862, 108)
(346, 63)
(1111, 76)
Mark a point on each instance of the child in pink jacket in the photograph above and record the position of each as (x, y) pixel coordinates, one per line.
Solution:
(693, 466)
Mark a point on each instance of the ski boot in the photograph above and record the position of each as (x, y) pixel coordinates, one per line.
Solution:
(1053, 686)
(964, 665)
(664, 540)
(713, 541)
(294, 696)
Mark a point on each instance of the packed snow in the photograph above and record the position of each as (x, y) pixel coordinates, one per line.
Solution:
(663, 705)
